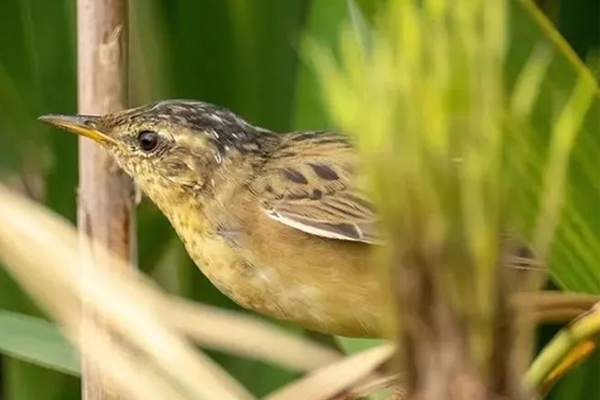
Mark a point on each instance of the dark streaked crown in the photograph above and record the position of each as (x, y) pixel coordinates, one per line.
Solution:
(223, 128)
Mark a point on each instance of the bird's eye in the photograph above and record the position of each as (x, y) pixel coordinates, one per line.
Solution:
(148, 140)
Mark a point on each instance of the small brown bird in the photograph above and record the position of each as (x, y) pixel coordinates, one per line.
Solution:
(275, 221)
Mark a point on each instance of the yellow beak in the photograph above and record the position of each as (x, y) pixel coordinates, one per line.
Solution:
(79, 124)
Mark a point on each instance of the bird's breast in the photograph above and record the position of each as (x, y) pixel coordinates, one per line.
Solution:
(324, 285)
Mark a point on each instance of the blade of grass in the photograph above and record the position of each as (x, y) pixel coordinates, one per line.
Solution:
(131, 306)
(564, 351)
(37, 341)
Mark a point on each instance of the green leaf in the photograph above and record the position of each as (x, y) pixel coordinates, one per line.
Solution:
(356, 345)
(575, 21)
(575, 255)
(37, 341)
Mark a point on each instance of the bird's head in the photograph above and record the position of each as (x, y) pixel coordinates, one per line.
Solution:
(173, 144)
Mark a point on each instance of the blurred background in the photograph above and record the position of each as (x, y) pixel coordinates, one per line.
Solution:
(241, 54)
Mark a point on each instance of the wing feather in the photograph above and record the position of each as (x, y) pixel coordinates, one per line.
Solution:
(309, 185)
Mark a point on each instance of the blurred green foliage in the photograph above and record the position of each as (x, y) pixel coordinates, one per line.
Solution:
(242, 54)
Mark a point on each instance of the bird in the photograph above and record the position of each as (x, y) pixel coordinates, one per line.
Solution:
(276, 221)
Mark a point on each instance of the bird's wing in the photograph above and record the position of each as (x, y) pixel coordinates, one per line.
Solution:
(309, 184)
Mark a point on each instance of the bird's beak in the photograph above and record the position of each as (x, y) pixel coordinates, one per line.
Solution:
(80, 124)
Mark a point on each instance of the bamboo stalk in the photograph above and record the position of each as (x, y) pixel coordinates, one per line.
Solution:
(105, 209)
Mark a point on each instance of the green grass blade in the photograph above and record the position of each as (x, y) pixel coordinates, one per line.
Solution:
(37, 341)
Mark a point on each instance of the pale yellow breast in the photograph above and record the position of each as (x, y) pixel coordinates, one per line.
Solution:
(321, 284)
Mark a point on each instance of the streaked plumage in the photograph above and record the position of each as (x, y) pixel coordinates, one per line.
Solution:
(275, 221)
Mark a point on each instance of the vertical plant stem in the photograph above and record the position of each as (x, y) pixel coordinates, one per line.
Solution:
(105, 209)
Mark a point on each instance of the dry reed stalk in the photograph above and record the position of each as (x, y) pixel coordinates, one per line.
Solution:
(152, 353)
(106, 201)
